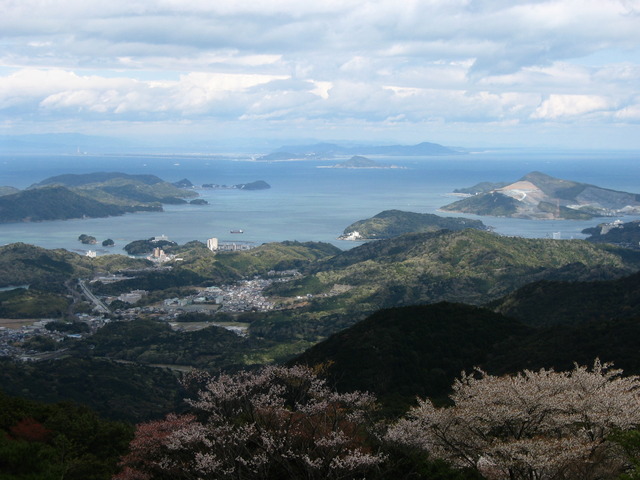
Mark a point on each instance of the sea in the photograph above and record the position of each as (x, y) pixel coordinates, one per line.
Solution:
(306, 201)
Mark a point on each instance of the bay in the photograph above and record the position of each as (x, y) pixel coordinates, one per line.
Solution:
(305, 203)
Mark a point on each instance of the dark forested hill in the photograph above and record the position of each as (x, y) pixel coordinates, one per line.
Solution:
(115, 390)
(557, 303)
(64, 440)
(414, 351)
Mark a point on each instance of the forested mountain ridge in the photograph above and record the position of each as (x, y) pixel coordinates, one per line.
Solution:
(469, 266)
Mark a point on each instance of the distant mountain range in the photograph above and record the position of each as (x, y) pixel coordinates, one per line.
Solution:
(328, 150)
(540, 196)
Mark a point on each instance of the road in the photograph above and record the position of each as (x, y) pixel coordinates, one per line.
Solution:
(95, 300)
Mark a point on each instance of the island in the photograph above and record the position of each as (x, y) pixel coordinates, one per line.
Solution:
(329, 150)
(91, 195)
(391, 223)
(538, 196)
(87, 239)
(358, 161)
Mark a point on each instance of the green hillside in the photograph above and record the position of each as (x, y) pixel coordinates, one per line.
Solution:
(391, 223)
(23, 264)
(200, 266)
(469, 266)
(151, 342)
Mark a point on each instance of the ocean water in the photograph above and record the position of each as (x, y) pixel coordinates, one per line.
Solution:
(305, 203)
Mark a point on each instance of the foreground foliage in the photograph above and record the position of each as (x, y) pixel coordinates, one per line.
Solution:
(535, 425)
(62, 441)
(275, 423)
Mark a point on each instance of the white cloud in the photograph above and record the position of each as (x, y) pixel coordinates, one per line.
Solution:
(559, 106)
(344, 62)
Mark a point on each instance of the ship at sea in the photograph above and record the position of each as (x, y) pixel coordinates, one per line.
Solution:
(237, 231)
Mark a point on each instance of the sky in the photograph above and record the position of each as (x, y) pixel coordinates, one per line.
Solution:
(470, 73)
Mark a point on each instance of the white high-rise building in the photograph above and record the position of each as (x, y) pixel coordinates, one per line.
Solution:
(212, 244)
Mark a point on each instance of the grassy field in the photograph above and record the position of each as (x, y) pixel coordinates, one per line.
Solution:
(16, 323)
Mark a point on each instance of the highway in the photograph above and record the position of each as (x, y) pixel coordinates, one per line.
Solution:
(95, 300)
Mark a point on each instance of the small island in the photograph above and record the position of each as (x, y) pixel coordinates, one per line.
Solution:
(358, 161)
(87, 239)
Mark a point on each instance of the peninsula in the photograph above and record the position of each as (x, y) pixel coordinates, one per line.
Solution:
(391, 223)
(538, 196)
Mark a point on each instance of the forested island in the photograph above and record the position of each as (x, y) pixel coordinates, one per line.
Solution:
(93, 195)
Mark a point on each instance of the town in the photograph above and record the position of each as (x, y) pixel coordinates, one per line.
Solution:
(19, 338)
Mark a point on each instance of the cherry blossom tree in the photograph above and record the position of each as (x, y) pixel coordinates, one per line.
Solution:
(277, 422)
(534, 425)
